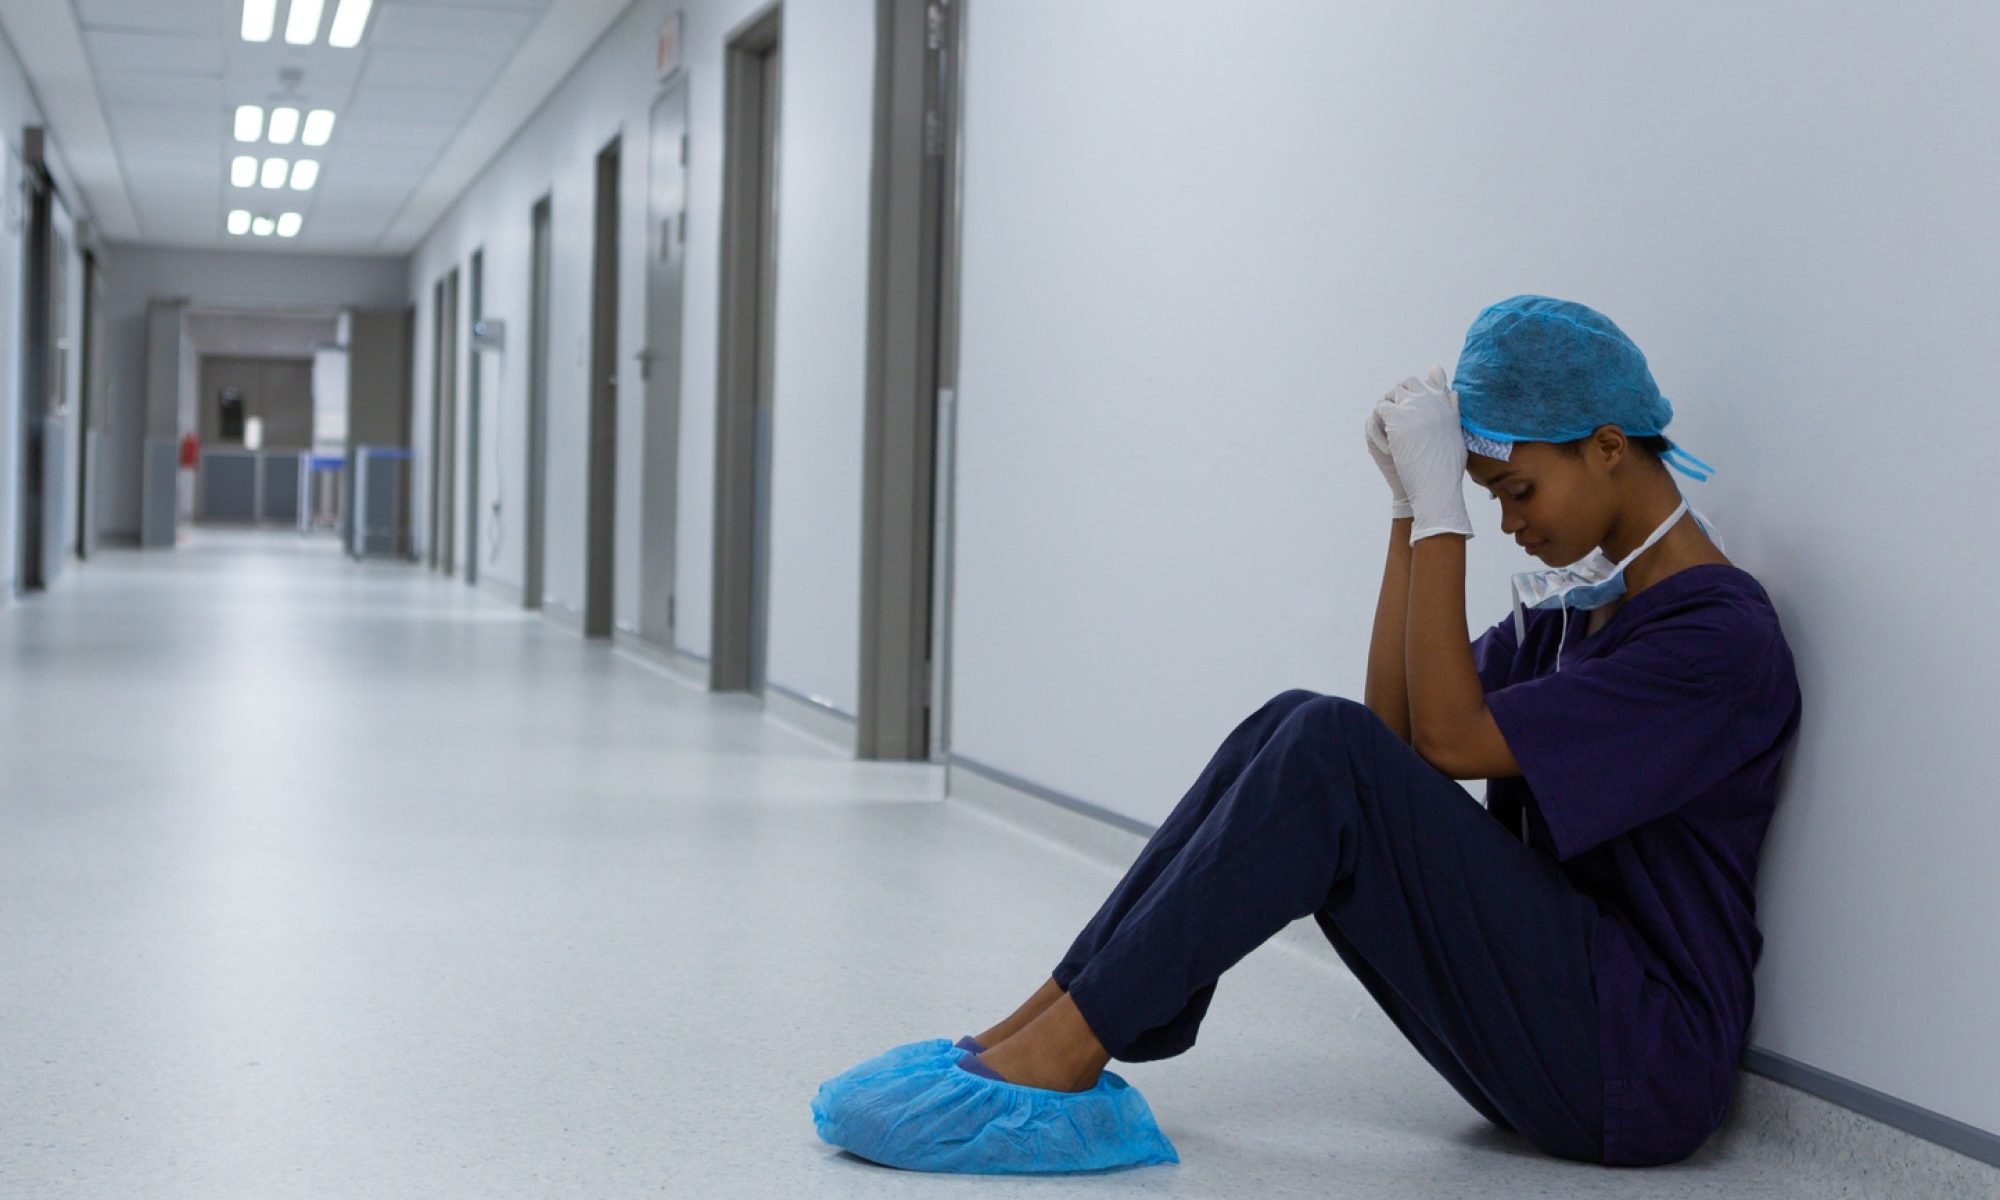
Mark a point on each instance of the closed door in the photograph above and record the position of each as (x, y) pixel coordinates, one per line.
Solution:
(660, 360)
(743, 408)
(599, 572)
(444, 423)
(538, 403)
(474, 306)
(767, 306)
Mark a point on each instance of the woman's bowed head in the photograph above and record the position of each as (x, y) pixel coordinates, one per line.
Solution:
(1554, 412)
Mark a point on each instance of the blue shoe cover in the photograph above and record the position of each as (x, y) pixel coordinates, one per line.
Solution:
(924, 1113)
(894, 1057)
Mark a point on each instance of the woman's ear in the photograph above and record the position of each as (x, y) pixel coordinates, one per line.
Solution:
(1608, 446)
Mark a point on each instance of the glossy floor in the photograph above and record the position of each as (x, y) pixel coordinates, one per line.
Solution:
(342, 880)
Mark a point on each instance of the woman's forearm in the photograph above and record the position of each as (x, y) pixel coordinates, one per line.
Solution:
(1387, 691)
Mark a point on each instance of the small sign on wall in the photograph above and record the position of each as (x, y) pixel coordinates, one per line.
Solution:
(668, 57)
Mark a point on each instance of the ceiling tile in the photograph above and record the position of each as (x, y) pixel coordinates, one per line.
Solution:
(114, 53)
(389, 103)
(444, 26)
(360, 133)
(534, 6)
(430, 70)
(207, 17)
(326, 79)
(145, 89)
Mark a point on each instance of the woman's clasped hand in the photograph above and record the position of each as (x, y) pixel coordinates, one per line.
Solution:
(1415, 437)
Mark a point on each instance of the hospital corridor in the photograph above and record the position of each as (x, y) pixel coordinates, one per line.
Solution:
(880, 598)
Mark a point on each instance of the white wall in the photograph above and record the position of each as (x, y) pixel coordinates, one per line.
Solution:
(250, 279)
(1197, 249)
(828, 65)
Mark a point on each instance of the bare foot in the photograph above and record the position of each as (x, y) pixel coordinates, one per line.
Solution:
(1057, 1051)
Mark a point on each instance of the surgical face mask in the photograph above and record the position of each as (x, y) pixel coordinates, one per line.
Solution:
(1591, 582)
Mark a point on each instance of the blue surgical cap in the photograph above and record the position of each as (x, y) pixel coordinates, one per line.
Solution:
(1538, 369)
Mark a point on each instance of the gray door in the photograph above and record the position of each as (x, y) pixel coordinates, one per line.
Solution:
(444, 423)
(91, 417)
(474, 304)
(767, 341)
(743, 387)
(432, 542)
(538, 405)
(660, 360)
(37, 379)
(448, 454)
(601, 519)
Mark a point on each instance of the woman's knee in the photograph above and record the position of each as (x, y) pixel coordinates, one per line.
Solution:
(1290, 699)
(1321, 708)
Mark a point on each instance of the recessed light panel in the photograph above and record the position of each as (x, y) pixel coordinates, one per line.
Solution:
(348, 22)
(303, 25)
(259, 16)
(319, 127)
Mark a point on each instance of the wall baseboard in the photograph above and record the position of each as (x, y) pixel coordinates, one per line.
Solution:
(683, 667)
(1863, 1133)
(562, 617)
(500, 589)
(1809, 1115)
(814, 718)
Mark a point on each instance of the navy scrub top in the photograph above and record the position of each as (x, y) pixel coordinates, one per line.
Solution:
(1649, 772)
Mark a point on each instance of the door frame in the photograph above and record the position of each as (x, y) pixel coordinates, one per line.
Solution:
(748, 281)
(534, 520)
(90, 412)
(601, 501)
(473, 314)
(38, 340)
(444, 422)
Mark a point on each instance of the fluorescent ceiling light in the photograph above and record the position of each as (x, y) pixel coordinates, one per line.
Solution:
(243, 170)
(258, 18)
(284, 125)
(249, 122)
(288, 224)
(303, 25)
(239, 221)
(319, 127)
(262, 226)
(305, 173)
(348, 21)
(274, 172)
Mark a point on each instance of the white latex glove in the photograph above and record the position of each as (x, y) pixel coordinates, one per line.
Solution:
(1428, 446)
(1378, 449)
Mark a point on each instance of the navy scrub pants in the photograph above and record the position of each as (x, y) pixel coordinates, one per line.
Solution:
(1476, 945)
